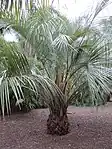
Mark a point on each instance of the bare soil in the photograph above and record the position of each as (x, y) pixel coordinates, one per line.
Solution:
(90, 129)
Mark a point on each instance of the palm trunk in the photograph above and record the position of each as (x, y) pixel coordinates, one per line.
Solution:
(58, 124)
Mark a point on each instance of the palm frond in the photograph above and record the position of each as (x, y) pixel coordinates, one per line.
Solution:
(16, 76)
(91, 73)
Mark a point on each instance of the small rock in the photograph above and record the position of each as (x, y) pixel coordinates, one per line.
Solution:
(69, 145)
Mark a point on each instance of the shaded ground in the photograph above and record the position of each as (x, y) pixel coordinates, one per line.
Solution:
(90, 129)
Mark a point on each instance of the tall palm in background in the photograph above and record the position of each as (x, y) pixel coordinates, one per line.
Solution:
(71, 55)
(23, 5)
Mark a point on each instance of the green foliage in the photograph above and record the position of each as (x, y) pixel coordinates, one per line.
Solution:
(74, 56)
(18, 86)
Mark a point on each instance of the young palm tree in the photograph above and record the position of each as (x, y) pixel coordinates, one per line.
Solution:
(80, 73)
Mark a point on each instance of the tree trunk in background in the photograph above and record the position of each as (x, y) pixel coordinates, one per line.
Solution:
(57, 124)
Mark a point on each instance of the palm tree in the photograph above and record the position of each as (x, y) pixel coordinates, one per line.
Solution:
(80, 73)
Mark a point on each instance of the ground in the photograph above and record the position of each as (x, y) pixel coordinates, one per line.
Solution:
(90, 129)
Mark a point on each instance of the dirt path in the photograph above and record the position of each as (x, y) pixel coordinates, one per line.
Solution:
(90, 129)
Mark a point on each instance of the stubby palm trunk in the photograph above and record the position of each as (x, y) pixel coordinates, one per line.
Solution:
(58, 124)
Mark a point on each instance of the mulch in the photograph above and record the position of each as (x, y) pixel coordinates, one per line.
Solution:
(90, 129)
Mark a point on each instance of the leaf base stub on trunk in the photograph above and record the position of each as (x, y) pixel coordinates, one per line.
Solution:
(57, 125)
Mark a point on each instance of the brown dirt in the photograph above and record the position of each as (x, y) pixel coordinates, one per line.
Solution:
(90, 129)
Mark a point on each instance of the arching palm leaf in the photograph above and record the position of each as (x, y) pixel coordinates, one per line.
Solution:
(16, 75)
